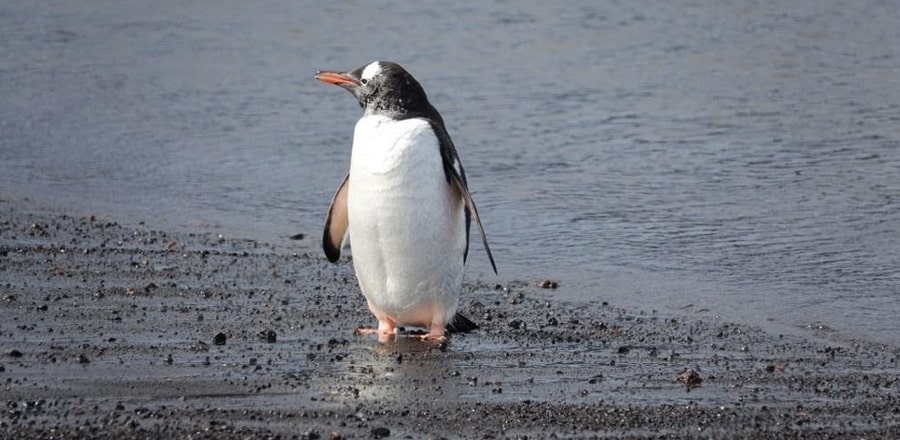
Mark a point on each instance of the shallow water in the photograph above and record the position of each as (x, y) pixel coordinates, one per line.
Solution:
(740, 159)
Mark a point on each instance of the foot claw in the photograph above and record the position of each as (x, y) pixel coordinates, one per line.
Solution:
(433, 338)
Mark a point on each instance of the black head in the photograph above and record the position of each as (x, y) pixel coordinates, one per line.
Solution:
(383, 88)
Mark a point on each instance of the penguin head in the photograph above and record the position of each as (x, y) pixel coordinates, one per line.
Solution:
(382, 88)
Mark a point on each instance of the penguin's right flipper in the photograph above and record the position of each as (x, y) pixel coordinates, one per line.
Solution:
(337, 222)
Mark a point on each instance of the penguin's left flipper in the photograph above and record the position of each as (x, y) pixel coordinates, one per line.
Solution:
(460, 186)
(337, 222)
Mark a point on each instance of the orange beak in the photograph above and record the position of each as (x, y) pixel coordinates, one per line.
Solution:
(336, 78)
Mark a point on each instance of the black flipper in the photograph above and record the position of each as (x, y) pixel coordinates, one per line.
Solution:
(470, 205)
(456, 176)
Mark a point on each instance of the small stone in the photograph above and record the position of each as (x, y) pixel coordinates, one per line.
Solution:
(780, 368)
(14, 353)
(219, 339)
(548, 284)
(381, 432)
(269, 336)
(689, 378)
(83, 359)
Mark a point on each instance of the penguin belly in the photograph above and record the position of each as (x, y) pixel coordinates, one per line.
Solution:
(406, 223)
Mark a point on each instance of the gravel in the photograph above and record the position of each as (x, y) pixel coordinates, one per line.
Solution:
(123, 331)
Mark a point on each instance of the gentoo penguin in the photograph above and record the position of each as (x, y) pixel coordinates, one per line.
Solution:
(405, 205)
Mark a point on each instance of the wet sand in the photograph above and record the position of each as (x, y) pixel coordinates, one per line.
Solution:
(112, 330)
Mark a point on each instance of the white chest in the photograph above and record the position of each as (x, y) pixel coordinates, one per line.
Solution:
(407, 225)
(396, 179)
(389, 149)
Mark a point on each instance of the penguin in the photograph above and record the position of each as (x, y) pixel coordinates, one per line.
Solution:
(404, 204)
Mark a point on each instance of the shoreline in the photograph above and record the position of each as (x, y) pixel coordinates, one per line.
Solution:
(109, 331)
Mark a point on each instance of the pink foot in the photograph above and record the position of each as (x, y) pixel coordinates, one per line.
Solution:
(386, 330)
(436, 333)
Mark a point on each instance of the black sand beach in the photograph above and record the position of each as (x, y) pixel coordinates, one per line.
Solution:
(113, 330)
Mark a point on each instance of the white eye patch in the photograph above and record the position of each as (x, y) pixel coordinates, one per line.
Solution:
(371, 71)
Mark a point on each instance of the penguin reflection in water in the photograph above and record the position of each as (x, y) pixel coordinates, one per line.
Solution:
(405, 205)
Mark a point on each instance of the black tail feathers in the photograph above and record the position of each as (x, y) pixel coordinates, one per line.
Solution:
(461, 324)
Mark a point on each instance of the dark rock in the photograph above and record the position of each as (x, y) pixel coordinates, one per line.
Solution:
(548, 284)
(690, 378)
(269, 336)
(380, 432)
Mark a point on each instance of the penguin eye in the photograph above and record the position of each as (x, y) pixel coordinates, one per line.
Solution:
(363, 81)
